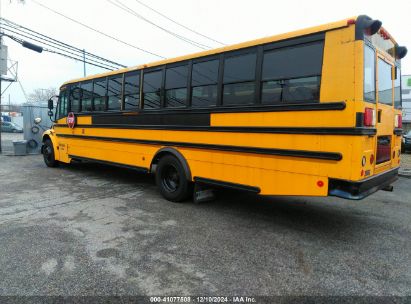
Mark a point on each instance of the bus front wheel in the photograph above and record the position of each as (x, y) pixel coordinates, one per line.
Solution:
(171, 179)
(48, 154)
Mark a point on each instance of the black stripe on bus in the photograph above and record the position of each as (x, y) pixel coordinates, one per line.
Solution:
(311, 106)
(271, 130)
(266, 151)
(398, 131)
(183, 119)
(104, 162)
(217, 183)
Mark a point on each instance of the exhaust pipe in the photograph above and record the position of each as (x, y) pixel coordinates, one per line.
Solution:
(389, 188)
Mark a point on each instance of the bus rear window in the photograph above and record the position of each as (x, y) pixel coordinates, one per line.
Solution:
(384, 82)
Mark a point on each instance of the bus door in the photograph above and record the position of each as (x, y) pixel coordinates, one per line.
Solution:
(61, 116)
(384, 115)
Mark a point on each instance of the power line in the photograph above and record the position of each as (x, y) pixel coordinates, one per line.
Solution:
(127, 9)
(18, 40)
(75, 53)
(71, 57)
(78, 58)
(179, 24)
(95, 30)
(26, 30)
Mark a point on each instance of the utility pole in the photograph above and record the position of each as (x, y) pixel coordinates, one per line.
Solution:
(84, 62)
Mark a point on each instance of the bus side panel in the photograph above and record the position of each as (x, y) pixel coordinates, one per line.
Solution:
(338, 72)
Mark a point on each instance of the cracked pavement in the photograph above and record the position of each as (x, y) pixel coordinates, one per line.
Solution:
(89, 229)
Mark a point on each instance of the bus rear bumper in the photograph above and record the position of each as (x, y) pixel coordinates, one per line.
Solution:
(361, 189)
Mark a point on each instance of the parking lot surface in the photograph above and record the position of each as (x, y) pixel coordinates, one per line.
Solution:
(89, 229)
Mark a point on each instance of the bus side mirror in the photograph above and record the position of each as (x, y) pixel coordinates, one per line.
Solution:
(51, 104)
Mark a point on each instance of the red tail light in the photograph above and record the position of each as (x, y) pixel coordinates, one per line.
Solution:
(398, 121)
(369, 117)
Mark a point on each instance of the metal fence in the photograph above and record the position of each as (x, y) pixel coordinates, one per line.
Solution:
(32, 133)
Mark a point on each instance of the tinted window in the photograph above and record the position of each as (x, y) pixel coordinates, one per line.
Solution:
(238, 71)
(369, 74)
(132, 90)
(75, 95)
(292, 74)
(99, 93)
(204, 96)
(293, 62)
(384, 82)
(87, 95)
(152, 89)
(298, 89)
(205, 73)
(239, 93)
(176, 97)
(204, 83)
(176, 86)
(115, 88)
(176, 77)
(239, 68)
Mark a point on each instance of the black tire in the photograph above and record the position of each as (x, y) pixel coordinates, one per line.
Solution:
(171, 179)
(48, 154)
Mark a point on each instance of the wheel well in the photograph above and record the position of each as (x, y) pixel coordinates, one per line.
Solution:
(170, 151)
(45, 137)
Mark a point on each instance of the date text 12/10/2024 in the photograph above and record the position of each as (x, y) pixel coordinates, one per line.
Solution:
(203, 299)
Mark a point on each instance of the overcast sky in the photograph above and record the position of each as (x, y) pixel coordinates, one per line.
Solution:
(228, 21)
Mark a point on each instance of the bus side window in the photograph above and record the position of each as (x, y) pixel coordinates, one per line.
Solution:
(204, 81)
(132, 90)
(114, 92)
(239, 79)
(99, 94)
(292, 74)
(86, 96)
(152, 89)
(176, 86)
(75, 98)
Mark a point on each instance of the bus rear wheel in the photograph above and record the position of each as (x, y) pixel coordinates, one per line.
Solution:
(48, 154)
(171, 179)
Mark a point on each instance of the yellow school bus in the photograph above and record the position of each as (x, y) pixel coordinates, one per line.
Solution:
(314, 112)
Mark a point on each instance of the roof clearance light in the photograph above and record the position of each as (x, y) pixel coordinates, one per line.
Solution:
(350, 21)
(384, 34)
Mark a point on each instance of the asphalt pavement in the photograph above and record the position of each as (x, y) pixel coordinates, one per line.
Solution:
(90, 229)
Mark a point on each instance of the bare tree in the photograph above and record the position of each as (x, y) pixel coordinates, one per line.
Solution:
(42, 95)
(10, 108)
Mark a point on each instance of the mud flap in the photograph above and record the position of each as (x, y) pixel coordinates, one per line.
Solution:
(203, 193)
